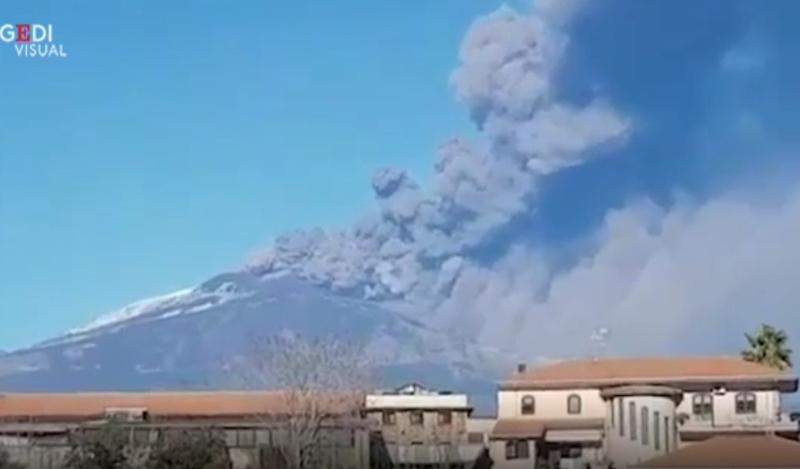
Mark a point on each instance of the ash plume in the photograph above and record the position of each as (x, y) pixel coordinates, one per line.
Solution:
(671, 256)
(419, 239)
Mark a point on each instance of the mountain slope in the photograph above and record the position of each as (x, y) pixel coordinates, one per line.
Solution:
(188, 339)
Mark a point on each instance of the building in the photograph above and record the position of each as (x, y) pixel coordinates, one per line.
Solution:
(740, 451)
(417, 427)
(35, 429)
(625, 411)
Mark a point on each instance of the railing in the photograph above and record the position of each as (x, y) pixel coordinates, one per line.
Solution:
(733, 421)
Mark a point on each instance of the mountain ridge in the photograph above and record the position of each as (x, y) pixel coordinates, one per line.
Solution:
(185, 340)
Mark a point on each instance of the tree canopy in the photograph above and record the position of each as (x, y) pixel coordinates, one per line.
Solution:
(190, 449)
(768, 346)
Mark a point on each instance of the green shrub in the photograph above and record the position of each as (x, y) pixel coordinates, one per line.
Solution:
(98, 448)
(190, 449)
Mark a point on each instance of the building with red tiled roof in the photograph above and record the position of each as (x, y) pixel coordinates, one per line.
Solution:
(35, 428)
(743, 452)
(686, 372)
(646, 407)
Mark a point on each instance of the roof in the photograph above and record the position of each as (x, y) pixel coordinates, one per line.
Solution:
(655, 370)
(752, 451)
(506, 429)
(72, 406)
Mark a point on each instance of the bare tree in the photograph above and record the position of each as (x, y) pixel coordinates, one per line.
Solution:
(322, 382)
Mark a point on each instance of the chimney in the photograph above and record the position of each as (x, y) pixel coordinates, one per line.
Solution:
(521, 368)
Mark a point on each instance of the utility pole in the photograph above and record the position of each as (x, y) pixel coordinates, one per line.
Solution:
(599, 340)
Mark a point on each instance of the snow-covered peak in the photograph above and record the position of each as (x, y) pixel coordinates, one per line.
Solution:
(138, 308)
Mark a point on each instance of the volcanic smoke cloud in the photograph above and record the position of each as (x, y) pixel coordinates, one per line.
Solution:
(459, 254)
(423, 238)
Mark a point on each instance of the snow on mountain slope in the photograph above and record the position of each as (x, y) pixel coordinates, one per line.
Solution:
(136, 309)
(189, 338)
(186, 301)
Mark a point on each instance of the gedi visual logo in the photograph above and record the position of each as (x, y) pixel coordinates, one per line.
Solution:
(32, 40)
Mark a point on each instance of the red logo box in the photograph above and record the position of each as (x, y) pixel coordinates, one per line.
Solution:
(23, 33)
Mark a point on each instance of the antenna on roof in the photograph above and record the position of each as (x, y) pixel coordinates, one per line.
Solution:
(599, 342)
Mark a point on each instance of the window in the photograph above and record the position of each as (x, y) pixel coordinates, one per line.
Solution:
(263, 437)
(246, 438)
(745, 403)
(621, 417)
(517, 449)
(528, 405)
(574, 404)
(657, 430)
(645, 425)
(703, 406)
(474, 438)
(632, 416)
(416, 417)
(230, 437)
(445, 417)
(389, 417)
(666, 434)
(571, 452)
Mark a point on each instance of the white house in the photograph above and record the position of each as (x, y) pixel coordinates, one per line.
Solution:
(621, 412)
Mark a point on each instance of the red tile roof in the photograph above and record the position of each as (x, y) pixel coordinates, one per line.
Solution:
(513, 428)
(754, 451)
(158, 404)
(646, 370)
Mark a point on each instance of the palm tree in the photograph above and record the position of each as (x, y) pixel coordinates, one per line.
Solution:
(768, 347)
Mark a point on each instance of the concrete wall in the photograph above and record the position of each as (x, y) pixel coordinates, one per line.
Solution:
(342, 447)
(32, 457)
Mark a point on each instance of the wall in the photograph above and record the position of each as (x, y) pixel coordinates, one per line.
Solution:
(404, 433)
(629, 447)
(482, 426)
(497, 451)
(417, 401)
(551, 404)
(343, 447)
(768, 406)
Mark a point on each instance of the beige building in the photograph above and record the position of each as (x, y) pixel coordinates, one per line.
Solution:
(621, 412)
(417, 427)
(35, 429)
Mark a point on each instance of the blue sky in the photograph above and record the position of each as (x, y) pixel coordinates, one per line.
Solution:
(179, 137)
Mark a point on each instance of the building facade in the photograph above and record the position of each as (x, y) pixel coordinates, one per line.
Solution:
(417, 427)
(620, 412)
(36, 429)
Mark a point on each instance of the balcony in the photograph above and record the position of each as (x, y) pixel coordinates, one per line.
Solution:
(722, 423)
